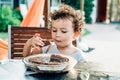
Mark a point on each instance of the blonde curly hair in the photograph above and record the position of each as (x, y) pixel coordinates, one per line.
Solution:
(67, 12)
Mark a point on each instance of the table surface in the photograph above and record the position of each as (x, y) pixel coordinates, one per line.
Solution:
(84, 70)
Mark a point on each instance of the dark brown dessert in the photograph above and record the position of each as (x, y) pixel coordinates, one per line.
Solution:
(58, 58)
(37, 60)
(52, 60)
(46, 42)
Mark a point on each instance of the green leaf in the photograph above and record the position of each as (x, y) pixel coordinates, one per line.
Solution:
(6, 11)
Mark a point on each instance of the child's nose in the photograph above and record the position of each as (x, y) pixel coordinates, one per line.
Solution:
(58, 33)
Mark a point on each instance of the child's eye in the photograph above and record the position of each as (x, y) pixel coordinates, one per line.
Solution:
(54, 30)
(64, 31)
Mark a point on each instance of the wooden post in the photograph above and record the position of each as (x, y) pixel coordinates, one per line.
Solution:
(102, 12)
(107, 13)
(46, 12)
(81, 6)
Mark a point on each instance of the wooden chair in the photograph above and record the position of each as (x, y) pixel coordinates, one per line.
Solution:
(19, 35)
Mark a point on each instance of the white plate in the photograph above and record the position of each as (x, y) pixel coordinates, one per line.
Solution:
(63, 67)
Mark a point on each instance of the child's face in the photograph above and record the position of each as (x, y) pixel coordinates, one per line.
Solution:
(62, 32)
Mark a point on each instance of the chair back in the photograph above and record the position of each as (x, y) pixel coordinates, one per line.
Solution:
(19, 35)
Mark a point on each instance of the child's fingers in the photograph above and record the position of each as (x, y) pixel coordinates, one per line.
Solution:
(37, 35)
(33, 46)
(37, 42)
(40, 43)
(36, 50)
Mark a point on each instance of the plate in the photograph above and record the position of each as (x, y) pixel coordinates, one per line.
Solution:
(56, 68)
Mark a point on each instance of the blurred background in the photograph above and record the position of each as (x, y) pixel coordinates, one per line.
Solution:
(12, 12)
(102, 28)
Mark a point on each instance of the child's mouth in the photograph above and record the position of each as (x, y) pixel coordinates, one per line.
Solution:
(58, 41)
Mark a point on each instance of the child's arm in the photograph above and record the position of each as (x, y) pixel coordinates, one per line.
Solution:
(32, 46)
(27, 48)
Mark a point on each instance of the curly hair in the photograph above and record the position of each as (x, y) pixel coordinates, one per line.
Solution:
(67, 12)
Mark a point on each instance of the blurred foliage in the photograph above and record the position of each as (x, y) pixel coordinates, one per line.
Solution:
(85, 32)
(74, 3)
(118, 27)
(3, 35)
(88, 7)
(9, 17)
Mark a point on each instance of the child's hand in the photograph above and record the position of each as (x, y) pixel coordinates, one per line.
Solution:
(36, 43)
(36, 50)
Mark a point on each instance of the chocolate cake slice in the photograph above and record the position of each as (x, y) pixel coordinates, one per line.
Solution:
(52, 60)
(58, 58)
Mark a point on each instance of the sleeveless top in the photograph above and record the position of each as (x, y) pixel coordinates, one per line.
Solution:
(53, 49)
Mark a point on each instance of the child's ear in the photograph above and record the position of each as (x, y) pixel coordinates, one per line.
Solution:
(76, 35)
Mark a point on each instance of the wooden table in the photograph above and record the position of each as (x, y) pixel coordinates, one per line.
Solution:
(16, 70)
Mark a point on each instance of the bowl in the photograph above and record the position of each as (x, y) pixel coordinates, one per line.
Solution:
(50, 62)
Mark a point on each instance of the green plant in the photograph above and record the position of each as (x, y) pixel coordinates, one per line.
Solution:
(75, 4)
(8, 18)
(85, 32)
(17, 14)
(4, 35)
(88, 8)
